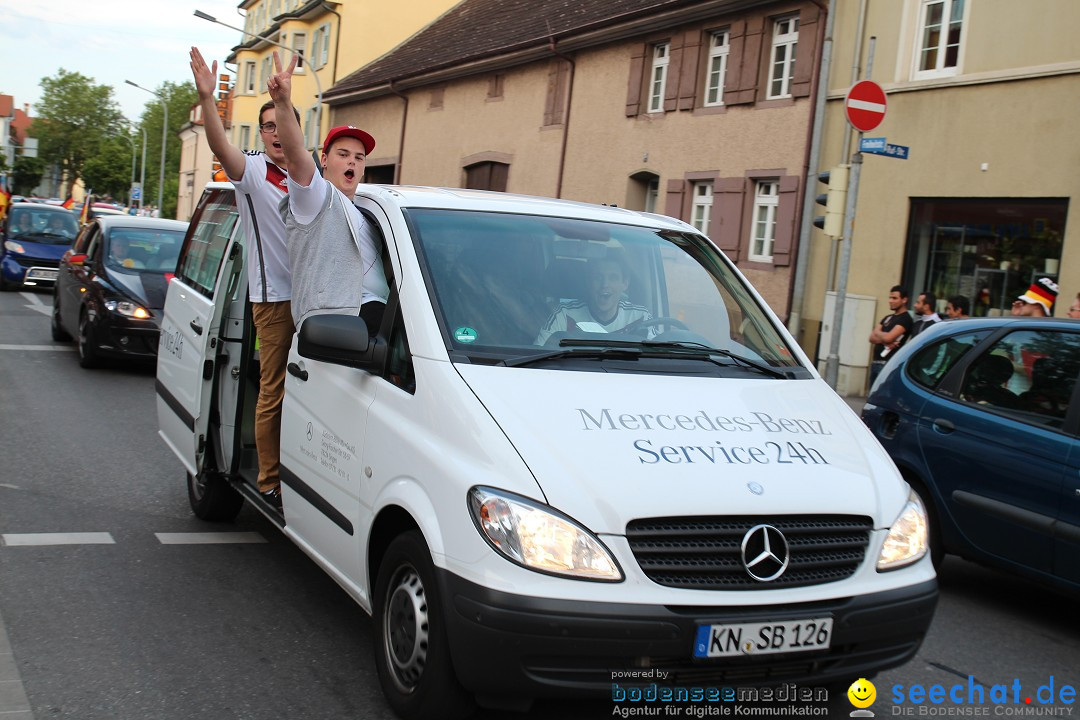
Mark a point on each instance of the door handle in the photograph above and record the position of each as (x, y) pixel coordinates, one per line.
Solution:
(296, 371)
(943, 426)
(196, 327)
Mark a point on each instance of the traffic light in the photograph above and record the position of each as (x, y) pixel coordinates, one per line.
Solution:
(832, 222)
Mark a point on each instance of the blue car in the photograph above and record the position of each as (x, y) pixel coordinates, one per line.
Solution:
(35, 237)
(982, 417)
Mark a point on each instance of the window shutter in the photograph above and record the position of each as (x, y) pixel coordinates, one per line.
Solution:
(637, 79)
(727, 214)
(743, 81)
(805, 54)
(674, 73)
(785, 219)
(673, 204)
(691, 62)
(556, 92)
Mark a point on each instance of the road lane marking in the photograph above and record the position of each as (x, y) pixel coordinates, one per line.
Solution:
(84, 538)
(209, 538)
(40, 348)
(32, 298)
(13, 700)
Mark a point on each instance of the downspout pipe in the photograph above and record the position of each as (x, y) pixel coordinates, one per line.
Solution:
(802, 257)
(401, 142)
(566, 118)
(337, 41)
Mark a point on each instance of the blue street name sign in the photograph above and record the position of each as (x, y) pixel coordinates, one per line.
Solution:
(879, 146)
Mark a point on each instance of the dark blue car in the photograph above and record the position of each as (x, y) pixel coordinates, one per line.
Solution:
(35, 237)
(982, 417)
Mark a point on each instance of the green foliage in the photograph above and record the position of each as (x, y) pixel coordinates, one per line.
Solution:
(108, 172)
(74, 119)
(26, 174)
(179, 98)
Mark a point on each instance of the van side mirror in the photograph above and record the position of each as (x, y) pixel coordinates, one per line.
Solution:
(342, 340)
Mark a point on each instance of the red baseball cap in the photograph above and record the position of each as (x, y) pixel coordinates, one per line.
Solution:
(349, 131)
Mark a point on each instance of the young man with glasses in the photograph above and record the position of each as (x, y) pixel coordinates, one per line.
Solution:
(259, 180)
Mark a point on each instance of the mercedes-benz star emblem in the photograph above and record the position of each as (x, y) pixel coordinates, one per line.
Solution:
(764, 553)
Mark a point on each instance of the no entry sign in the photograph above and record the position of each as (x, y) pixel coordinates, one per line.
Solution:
(865, 105)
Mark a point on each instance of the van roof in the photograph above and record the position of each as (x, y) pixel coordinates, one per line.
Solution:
(417, 196)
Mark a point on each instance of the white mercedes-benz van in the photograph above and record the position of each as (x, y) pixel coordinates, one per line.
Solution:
(533, 496)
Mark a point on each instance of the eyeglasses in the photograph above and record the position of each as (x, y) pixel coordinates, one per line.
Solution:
(268, 127)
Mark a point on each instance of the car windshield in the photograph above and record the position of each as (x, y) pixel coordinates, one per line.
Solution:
(153, 250)
(43, 225)
(511, 288)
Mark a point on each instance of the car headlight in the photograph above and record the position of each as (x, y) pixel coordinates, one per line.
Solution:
(12, 246)
(907, 539)
(539, 538)
(128, 309)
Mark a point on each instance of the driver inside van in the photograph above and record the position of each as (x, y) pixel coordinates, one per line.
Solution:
(606, 309)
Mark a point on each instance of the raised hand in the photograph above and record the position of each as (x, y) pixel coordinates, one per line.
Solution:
(205, 77)
(279, 85)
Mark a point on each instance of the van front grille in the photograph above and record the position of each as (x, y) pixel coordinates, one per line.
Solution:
(705, 553)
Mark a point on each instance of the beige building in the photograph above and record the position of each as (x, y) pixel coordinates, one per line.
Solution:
(986, 94)
(196, 164)
(694, 108)
(334, 38)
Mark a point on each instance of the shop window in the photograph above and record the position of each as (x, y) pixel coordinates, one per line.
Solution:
(988, 250)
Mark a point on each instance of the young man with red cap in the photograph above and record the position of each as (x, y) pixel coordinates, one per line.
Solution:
(1038, 301)
(259, 180)
(333, 250)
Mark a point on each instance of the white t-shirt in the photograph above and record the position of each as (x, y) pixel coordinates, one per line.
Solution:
(306, 202)
(262, 188)
(575, 315)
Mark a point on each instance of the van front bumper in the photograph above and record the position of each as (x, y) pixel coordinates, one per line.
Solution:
(515, 646)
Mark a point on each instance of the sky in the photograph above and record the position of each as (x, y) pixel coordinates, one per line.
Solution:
(145, 41)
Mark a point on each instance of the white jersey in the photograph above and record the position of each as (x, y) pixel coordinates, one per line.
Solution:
(258, 195)
(575, 315)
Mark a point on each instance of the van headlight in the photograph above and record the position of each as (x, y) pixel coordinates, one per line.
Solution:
(907, 538)
(539, 538)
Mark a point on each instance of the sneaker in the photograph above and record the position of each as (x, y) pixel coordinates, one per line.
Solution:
(273, 496)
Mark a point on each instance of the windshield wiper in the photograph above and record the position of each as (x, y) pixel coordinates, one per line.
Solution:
(610, 350)
(701, 348)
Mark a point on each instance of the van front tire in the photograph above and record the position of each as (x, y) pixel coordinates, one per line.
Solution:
(212, 498)
(412, 653)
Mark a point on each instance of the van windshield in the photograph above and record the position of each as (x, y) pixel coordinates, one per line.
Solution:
(512, 286)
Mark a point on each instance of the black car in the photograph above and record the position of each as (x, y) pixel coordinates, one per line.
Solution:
(111, 286)
(982, 417)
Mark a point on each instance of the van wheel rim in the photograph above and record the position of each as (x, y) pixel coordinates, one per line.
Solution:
(406, 629)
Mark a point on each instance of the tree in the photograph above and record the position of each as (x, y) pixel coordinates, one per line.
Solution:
(74, 118)
(109, 171)
(179, 98)
(26, 174)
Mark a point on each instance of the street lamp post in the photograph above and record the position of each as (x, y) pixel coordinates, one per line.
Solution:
(318, 84)
(164, 137)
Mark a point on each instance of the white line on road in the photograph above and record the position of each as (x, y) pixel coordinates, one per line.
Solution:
(85, 538)
(40, 348)
(32, 298)
(209, 538)
(13, 701)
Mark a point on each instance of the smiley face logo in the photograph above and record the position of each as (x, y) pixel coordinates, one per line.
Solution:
(862, 693)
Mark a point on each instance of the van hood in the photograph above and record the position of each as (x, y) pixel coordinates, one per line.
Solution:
(607, 448)
(42, 250)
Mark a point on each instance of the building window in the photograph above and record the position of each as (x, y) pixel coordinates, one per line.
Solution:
(243, 137)
(782, 66)
(311, 127)
(643, 192)
(763, 232)
(940, 26)
(717, 70)
(299, 46)
(320, 46)
(264, 73)
(275, 8)
(487, 176)
(260, 17)
(701, 212)
(249, 77)
(658, 76)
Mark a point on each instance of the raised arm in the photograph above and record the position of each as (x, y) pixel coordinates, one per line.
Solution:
(231, 157)
(301, 165)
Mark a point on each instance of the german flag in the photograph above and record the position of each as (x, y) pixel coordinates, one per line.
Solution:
(86, 216)
(69, 203)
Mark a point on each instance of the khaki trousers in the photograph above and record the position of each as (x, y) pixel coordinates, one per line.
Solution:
(274, 328)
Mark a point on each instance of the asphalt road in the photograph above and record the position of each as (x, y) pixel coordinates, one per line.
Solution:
(146, 616)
